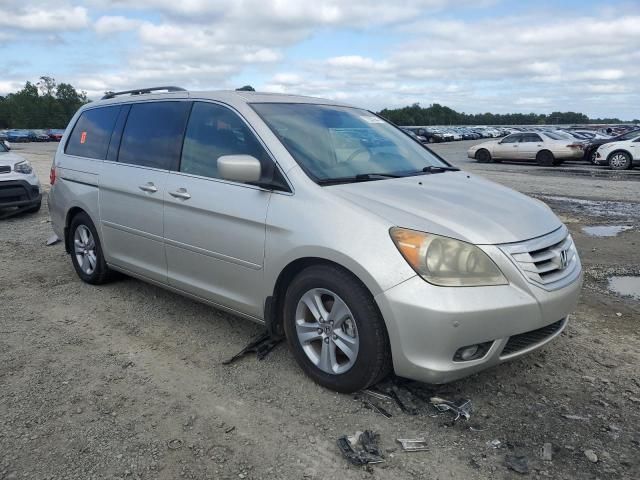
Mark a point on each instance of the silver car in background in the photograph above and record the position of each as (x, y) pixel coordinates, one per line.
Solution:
(322, 221)
(546, 148)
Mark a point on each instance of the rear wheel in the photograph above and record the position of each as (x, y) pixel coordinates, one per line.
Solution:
(334, 329)
(620, 161)
(545, 158)
(593, 158)
(86, 251)
(483, 156)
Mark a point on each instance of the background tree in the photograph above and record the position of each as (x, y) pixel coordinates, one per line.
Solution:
(44, 104)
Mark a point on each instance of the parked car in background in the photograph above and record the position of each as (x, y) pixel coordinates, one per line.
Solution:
(409, 264)
(55, 134)
(39, 136)
(19, 185)
(593, 145)
(620, 155)
(430, 136)
(546, 148)
(18, 136)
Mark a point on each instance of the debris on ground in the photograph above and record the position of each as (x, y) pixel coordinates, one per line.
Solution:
(174, 444)
(461, 408)
(260, 345)
(494, 443)
(52, 240)
(361, 449)
(517, 463)
(547, 452)
(369, 405)
(591, 456)
(413, 444)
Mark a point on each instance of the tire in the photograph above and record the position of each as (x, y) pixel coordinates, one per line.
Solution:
(483, 156)
(558, 161)
(35, 208)
(619, 161)
(545, 158)
(94, 272)
(332, 291)
(592, 157)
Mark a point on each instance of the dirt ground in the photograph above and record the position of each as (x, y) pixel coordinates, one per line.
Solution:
(126, 380)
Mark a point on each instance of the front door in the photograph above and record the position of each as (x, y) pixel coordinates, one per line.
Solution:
(215, 229)
(507, 148)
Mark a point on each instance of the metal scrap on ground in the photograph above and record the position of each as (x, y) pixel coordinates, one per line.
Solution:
(413, 444)
(261, 345)
(361, 449)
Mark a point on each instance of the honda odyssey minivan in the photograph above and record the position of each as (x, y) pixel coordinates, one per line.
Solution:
(322, 221)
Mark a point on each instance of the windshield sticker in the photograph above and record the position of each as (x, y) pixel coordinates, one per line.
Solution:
(83, 137)
(371, 119)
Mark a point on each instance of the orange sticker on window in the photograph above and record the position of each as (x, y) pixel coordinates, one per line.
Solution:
(83, 137)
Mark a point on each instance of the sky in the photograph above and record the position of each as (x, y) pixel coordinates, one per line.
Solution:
(471, 55)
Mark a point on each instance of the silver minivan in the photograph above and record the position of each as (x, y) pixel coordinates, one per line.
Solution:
(322, 221)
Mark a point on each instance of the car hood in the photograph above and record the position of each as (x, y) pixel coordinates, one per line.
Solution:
(8, 158)
(453, 204)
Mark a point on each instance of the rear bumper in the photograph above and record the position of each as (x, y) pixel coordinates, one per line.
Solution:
(427, 325)
(19, 193)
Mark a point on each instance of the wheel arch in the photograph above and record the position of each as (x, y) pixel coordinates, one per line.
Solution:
(71, 213)
(274, 304)
(620, 150)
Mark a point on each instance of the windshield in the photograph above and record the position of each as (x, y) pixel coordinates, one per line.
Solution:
(3, 147)
(331, 142)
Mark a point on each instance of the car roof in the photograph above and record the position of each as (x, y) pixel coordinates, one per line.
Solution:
(231, 97)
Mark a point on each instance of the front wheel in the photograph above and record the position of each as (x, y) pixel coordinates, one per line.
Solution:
(620, 161)
(483, 156)
(334, 329)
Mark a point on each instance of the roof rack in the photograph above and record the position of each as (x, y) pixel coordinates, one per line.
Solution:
(140, 91)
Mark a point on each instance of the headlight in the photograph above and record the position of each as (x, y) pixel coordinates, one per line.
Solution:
(23, 167)
(446, 262)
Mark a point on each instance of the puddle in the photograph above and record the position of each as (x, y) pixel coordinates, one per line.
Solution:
(606, 230)
(625, 286)
(596, 208)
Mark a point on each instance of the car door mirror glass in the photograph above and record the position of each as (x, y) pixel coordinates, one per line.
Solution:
(240, 168)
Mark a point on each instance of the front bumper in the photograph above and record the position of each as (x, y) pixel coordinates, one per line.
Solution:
(427, 324)
(19, 193)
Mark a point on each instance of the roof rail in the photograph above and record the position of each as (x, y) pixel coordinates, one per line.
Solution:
(140, 91)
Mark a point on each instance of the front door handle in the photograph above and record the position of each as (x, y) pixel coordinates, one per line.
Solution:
(148, 187)
(180, 193)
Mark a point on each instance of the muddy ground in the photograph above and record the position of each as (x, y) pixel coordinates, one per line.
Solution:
(126, 380)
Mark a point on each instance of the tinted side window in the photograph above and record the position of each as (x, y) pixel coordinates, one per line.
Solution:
(511, 138)
(214, 131)
(92, 132)
(152, 136)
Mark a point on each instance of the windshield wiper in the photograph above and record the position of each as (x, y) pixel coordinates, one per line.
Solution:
(360, 177)
(434, 169)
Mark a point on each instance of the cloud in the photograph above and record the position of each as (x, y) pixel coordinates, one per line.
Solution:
(107, 24)
(42, 18)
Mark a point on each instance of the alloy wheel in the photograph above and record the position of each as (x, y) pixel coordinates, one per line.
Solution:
(85, 249)
(327, 331)
(619, 160)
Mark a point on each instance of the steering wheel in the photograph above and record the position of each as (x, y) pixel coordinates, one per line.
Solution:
(356, 153)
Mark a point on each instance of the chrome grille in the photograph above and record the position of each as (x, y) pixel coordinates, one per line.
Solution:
(550, 261)
(5, 169)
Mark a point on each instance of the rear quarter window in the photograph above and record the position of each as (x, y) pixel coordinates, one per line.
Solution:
(91, 134)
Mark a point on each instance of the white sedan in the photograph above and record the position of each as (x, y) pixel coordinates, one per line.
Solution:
(546, 148)
(620, 155)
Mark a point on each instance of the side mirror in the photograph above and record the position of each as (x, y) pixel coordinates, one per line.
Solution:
(240, 168)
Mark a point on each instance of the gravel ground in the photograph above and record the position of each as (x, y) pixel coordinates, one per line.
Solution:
(126, 380)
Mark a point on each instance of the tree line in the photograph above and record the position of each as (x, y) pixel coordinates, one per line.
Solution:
(436, 114)
(45, 104)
